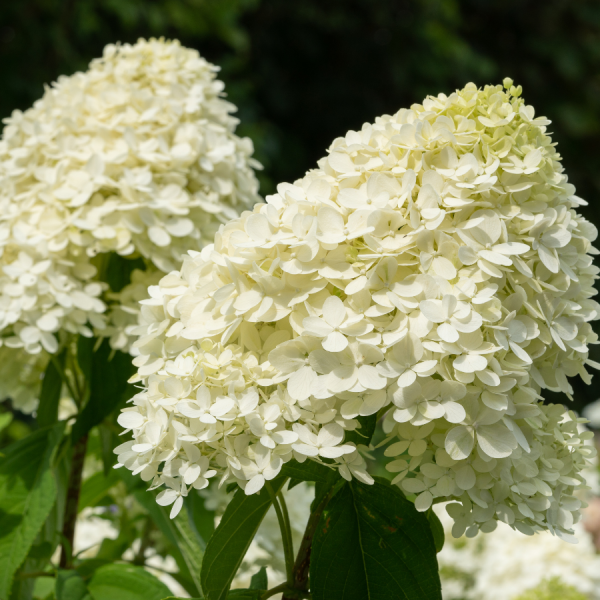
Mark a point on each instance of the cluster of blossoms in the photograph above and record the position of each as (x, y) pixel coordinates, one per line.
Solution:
(21, 375)
(432, 268)
(138, 157)
(502, 564)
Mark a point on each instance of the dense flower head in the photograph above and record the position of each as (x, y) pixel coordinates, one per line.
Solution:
(21, 376)
(136, 156)
(433, 269)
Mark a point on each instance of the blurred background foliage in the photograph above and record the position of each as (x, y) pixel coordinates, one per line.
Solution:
(304, 72)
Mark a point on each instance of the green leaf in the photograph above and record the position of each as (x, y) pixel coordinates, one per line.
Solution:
(43, 588)
(322, 488)
(41, 551)
(5, 420)
(70, 586)
(85, 355)
(118, 270)
(112, 550)
(176, 598)
(437, 530)
(231, 539)
(203, 519)
(108, 442)
(47, 412)
(180, 531)
(159, 516)
(260, 580)
(364, 433)
(126, 582)
(47, 539)
(108, 388)
(189, 542)
(293, 482)
(309, 470)
(94, 488)
(51, 532)
(371, 543)
(88, 566)
(27, 494)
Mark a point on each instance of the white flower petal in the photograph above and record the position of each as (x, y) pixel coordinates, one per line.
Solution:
(470, 363)
(301, 383)
(459, 442)
(255, 484)
(130, 420)
(334, 311)
(497, 441)
(335, 342)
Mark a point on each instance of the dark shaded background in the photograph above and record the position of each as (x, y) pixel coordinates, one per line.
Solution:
(303, 72)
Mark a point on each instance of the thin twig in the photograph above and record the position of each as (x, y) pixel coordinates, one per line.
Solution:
(279, 588)
(286, 536)
(286, 518)
(64, 377)
(299, 582)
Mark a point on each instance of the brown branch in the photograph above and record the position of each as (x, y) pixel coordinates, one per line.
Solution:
(299, 583)
(72, 502)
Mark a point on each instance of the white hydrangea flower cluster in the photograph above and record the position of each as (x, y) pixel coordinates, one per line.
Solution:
(503, 564)
(136, 156)
(433, 267)
(21, 375)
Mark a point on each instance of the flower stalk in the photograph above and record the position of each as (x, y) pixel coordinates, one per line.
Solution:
(284, 525)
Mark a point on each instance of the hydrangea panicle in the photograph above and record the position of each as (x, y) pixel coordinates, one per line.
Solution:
(136, 156)
(433, 268)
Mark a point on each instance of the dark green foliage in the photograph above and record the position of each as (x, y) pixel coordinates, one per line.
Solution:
(108, 387)
(85, 355)
(203, 519)
(125, 582)
(259, 580)
(70, 586)
(371, 543)
(47, 413)
(309, 470)
(118, 270)
(437, 530)
(363, 433)
(27, 494)
(181, 532)
(228, 545)
(94, 489)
